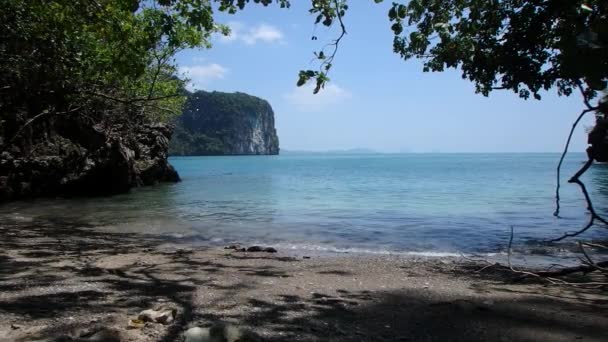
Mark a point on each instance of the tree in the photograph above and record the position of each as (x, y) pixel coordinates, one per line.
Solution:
(83, 83)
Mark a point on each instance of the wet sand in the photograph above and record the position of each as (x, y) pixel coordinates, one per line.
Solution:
(67, 282)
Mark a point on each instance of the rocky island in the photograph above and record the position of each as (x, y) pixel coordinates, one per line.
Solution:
(217, 123)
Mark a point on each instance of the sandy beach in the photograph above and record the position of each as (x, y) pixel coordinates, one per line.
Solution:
(66, 283)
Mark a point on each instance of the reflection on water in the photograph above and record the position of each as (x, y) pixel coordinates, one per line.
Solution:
(598, 187)
(376, 203)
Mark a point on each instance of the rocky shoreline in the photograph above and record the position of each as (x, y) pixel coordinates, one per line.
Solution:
(76, 159)
(67, 282)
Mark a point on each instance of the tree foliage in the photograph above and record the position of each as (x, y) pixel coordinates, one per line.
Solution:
(521, 45)
(118, 55)
(57, 55)
(111, 60)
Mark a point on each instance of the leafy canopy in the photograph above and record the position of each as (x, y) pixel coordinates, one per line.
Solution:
(119, 54)
(522, 45)
(108, 58)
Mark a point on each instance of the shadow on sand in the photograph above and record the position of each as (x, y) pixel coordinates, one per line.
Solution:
(64, 277)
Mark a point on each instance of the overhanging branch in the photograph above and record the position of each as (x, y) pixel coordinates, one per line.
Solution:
(561, 159)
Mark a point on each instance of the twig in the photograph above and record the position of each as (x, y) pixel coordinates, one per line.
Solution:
(590, 261)
(329, 60)
(130, 101)
(569, 270)
(510, 265)
(486, 267)
(596, 245)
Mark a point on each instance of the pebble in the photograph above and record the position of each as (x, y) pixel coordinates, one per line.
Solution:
(197, 334)
(163, 315)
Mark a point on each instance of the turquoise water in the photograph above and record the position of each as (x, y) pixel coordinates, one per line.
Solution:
(412, 203)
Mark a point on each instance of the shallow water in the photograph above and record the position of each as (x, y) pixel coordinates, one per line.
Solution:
(430, 204)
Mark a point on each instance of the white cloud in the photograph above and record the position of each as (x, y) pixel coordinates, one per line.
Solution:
(304, 100)
(264, 33)
(200, 75)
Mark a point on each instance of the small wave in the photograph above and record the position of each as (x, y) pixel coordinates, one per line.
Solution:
(21, 218)
(354, 250)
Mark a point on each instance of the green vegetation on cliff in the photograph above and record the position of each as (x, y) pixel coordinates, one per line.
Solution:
(216, 123)
(83, 87)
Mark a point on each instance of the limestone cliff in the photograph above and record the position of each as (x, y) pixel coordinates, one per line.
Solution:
(216, 123)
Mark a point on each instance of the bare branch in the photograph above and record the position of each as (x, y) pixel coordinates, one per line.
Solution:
(550, 276)
(38, 116)
(131, 101)
(589, 260)
(510, 265)
(585, 99)
(590, 208)
(561, 159)
(329, 60)
(577, 233)
(577, 269)
(595, 245)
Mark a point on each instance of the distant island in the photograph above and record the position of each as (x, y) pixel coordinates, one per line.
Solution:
(217, 123)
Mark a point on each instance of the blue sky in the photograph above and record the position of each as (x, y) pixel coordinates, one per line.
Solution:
(375, 99)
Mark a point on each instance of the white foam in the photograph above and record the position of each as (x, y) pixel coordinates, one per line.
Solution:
(21, 218)
(354, 250)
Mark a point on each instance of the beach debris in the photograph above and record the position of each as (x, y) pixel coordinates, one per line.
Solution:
(15, 326)
(219, 332)
(183, 251)
(236, 247)
(306, 257)
(261, 249)
(162, 314)
(252, 249)
(136, 324)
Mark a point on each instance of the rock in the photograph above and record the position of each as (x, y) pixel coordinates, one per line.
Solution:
(100, 334)
(216, 123)
(197, 334)
(74, 157)
(105, 335)
(220, 332)
(255, 249)
(236, 247)
(162, 314)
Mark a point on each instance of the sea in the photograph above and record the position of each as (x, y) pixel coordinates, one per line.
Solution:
(412, 204)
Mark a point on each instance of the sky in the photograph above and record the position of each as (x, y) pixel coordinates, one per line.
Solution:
(375, 99)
